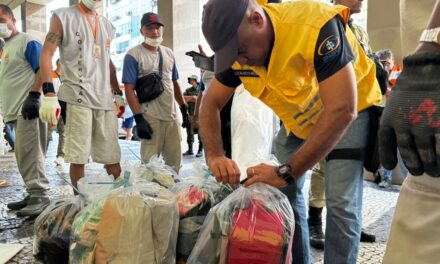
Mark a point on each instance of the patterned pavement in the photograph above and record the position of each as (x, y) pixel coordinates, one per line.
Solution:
(378, 204)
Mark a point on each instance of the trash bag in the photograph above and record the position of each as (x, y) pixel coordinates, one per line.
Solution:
(134, 224)
(94, 187)
(252, 225)
(52, 231)
(195, 196)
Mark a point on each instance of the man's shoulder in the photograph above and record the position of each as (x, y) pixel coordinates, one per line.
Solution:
(167, 50)
(135, 51)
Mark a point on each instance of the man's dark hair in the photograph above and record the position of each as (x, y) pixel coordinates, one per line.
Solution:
(6, 11)
(384, 54)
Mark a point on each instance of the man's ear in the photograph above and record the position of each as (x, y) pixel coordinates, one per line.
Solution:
(256, 18)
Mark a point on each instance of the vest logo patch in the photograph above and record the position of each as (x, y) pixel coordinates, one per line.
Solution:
(245, 73)
(328, 45)
(6, 58)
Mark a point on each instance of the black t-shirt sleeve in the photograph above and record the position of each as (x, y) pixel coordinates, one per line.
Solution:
(332, 50)
(228, 78)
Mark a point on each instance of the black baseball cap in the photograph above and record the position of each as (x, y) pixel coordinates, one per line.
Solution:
(220, 22)
(151, 18)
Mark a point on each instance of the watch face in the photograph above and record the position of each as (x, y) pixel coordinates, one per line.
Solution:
(284, 169)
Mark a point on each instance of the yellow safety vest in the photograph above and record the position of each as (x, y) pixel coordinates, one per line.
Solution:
(289, 85)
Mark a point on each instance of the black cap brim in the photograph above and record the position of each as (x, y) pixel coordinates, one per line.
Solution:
(226, 56)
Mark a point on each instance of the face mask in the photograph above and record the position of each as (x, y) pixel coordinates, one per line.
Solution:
(153, 42)
(5, 32)
(91, 4)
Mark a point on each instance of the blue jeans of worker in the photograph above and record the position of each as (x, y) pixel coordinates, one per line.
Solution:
(285, 146)
(343, 187)
(387, 174)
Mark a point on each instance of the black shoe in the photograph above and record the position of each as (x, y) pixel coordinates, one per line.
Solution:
(365, 237)
(34, 207)
(316, 236)
(378, 178)
(189, 152)
(20, 204)
(199, 153)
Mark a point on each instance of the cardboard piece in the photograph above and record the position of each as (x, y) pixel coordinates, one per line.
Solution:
(8, 251)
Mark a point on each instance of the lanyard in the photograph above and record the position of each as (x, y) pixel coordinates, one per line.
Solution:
(94, 29)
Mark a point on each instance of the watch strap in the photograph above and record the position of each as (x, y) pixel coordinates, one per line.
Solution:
(431, 35)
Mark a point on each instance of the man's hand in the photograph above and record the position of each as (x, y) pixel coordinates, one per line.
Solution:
(185, 115)
(411, 119)
(266, 174)
(144, 129)
(31, 105)
(224, 170)
(120, 104)
(50, 110)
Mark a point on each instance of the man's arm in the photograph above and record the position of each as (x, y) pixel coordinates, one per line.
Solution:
(216, 97)
(198, 103)
(178, 93)
(339, 97)
(132, 98)
(190, 98)
(53, 40)
(114, 80)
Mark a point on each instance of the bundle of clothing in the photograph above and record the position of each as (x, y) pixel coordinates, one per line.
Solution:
(154, 171)
(52, 231)
(195, 197)
(252, 225)
(135, 224)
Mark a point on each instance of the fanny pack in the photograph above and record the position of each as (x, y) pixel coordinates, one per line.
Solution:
(150, 86)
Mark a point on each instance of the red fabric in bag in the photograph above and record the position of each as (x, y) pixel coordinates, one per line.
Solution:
(257, 235)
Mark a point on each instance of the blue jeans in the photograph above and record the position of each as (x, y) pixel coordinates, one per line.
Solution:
(387, 174)
(285, 146)
(10, 133)
(343, 187)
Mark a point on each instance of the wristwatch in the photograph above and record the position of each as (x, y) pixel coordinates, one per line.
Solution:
(284, 171)
(431, 35)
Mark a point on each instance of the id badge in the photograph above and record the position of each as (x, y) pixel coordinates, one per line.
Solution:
(97, 51)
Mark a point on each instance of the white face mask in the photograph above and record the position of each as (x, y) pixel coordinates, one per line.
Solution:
(91, 4)
(153, 42)
(5, 32)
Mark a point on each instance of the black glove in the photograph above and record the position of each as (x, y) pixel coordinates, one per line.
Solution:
(31, 106)
(185, 115)
(411, 120)
(144, 129)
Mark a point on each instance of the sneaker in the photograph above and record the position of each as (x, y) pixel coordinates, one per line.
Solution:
(199, 154)
(384, 184)
(316, 236)
(20, 204)
(59, 161)
(34, 207)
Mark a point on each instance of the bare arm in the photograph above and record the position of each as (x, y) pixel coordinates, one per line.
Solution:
(114, 80)
(132, 98)
(433, 23)
(178, 93)
(53, 40)
(216, 97)
(339, 97)
(198, 103)
(190, 98)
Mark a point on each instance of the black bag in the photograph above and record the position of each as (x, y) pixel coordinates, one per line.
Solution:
(150, 86)
(381, 73)
(372, 162)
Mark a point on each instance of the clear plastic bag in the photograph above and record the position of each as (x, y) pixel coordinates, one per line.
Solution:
(135, 224)
(52, 231)
(154, 171)
(195, 197)
(94, 187)
(252, 225)
(253, 128)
